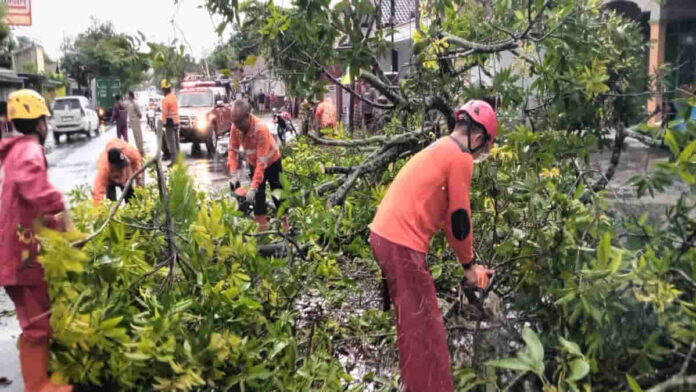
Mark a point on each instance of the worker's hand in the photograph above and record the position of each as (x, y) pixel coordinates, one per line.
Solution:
(478, 276)
(68, 224)
(251, 195)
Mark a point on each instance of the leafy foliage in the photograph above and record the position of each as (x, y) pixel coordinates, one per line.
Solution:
(102, 51)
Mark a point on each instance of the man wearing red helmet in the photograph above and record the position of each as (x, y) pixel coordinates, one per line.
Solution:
(430, 193)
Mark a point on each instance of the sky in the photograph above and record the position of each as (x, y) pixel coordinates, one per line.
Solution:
(55, 19)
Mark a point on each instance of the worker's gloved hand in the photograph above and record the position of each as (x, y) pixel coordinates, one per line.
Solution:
(478, 276)
(251, 195)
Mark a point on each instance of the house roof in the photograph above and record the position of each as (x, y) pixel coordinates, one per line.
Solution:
(404, 11)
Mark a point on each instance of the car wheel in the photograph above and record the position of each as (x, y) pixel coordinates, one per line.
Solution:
(211, 143)
(56, 137)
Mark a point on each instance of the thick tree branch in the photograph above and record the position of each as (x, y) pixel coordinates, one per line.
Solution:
(674, 382)
(373, 80)
(347, 88)
(476, 47)
(338, 170)
(390, 154)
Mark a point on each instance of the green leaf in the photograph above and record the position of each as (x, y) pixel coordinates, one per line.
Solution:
(571, 347)
(604, 250)
(633, 383)
(579, 368)
(342, 6)
(688, 152)
(536, 349)
(672, 142)
(436, 271)
(616, 262)
(511, 363)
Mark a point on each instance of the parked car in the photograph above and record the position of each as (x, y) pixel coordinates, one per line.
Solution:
(74, 115)
(204, 115)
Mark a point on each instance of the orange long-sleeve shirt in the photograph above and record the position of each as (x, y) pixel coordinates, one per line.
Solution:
(430, 193)
(326, 113)
(170, 108)
(260, 149)
(106, 175)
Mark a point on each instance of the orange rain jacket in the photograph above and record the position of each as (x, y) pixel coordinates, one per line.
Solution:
(106, 175)
(260, 149)
(170, 109)
(326, 113)
(431, 192)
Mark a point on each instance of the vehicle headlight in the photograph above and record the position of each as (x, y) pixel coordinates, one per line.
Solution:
(101, 111)
(201, 123)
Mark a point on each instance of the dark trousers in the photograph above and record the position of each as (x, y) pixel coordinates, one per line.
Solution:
(122, 131)
(111, 192)
(272, 176)
(424, 357)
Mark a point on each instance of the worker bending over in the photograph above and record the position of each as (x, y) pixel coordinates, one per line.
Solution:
(116, 165)
(263, 156)
(430, 193)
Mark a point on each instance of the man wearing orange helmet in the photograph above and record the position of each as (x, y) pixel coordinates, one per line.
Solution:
(27, 197)
(430, 193)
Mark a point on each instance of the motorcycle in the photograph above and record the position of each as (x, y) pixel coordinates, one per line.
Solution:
(151, 118)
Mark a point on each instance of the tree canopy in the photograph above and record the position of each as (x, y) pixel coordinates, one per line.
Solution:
(102, 51)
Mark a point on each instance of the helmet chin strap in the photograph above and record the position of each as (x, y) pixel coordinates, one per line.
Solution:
(469, 125)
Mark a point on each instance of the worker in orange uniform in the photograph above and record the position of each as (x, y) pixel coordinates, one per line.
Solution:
(431, 192)
(325, 114)
(263, 157)
(170, 119)
(26, 197)
(116, 165)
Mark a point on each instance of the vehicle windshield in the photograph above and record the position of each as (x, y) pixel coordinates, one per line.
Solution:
(198, 99)
(66, 104)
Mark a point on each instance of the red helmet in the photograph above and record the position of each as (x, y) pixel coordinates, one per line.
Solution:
(482, 113)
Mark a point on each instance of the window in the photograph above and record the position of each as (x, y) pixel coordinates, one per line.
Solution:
(67, 104)
(195, 99)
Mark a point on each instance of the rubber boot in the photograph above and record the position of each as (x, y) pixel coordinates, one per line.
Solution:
(262, 221)
(33, 358)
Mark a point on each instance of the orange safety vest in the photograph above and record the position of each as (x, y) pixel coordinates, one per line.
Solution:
(260, 149)
(170, 109)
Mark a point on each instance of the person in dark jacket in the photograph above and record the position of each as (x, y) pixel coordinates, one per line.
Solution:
(119, 115)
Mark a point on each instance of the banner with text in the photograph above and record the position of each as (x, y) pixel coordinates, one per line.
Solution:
(18, 12)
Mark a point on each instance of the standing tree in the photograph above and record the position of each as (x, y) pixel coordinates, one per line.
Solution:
(101, 51)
